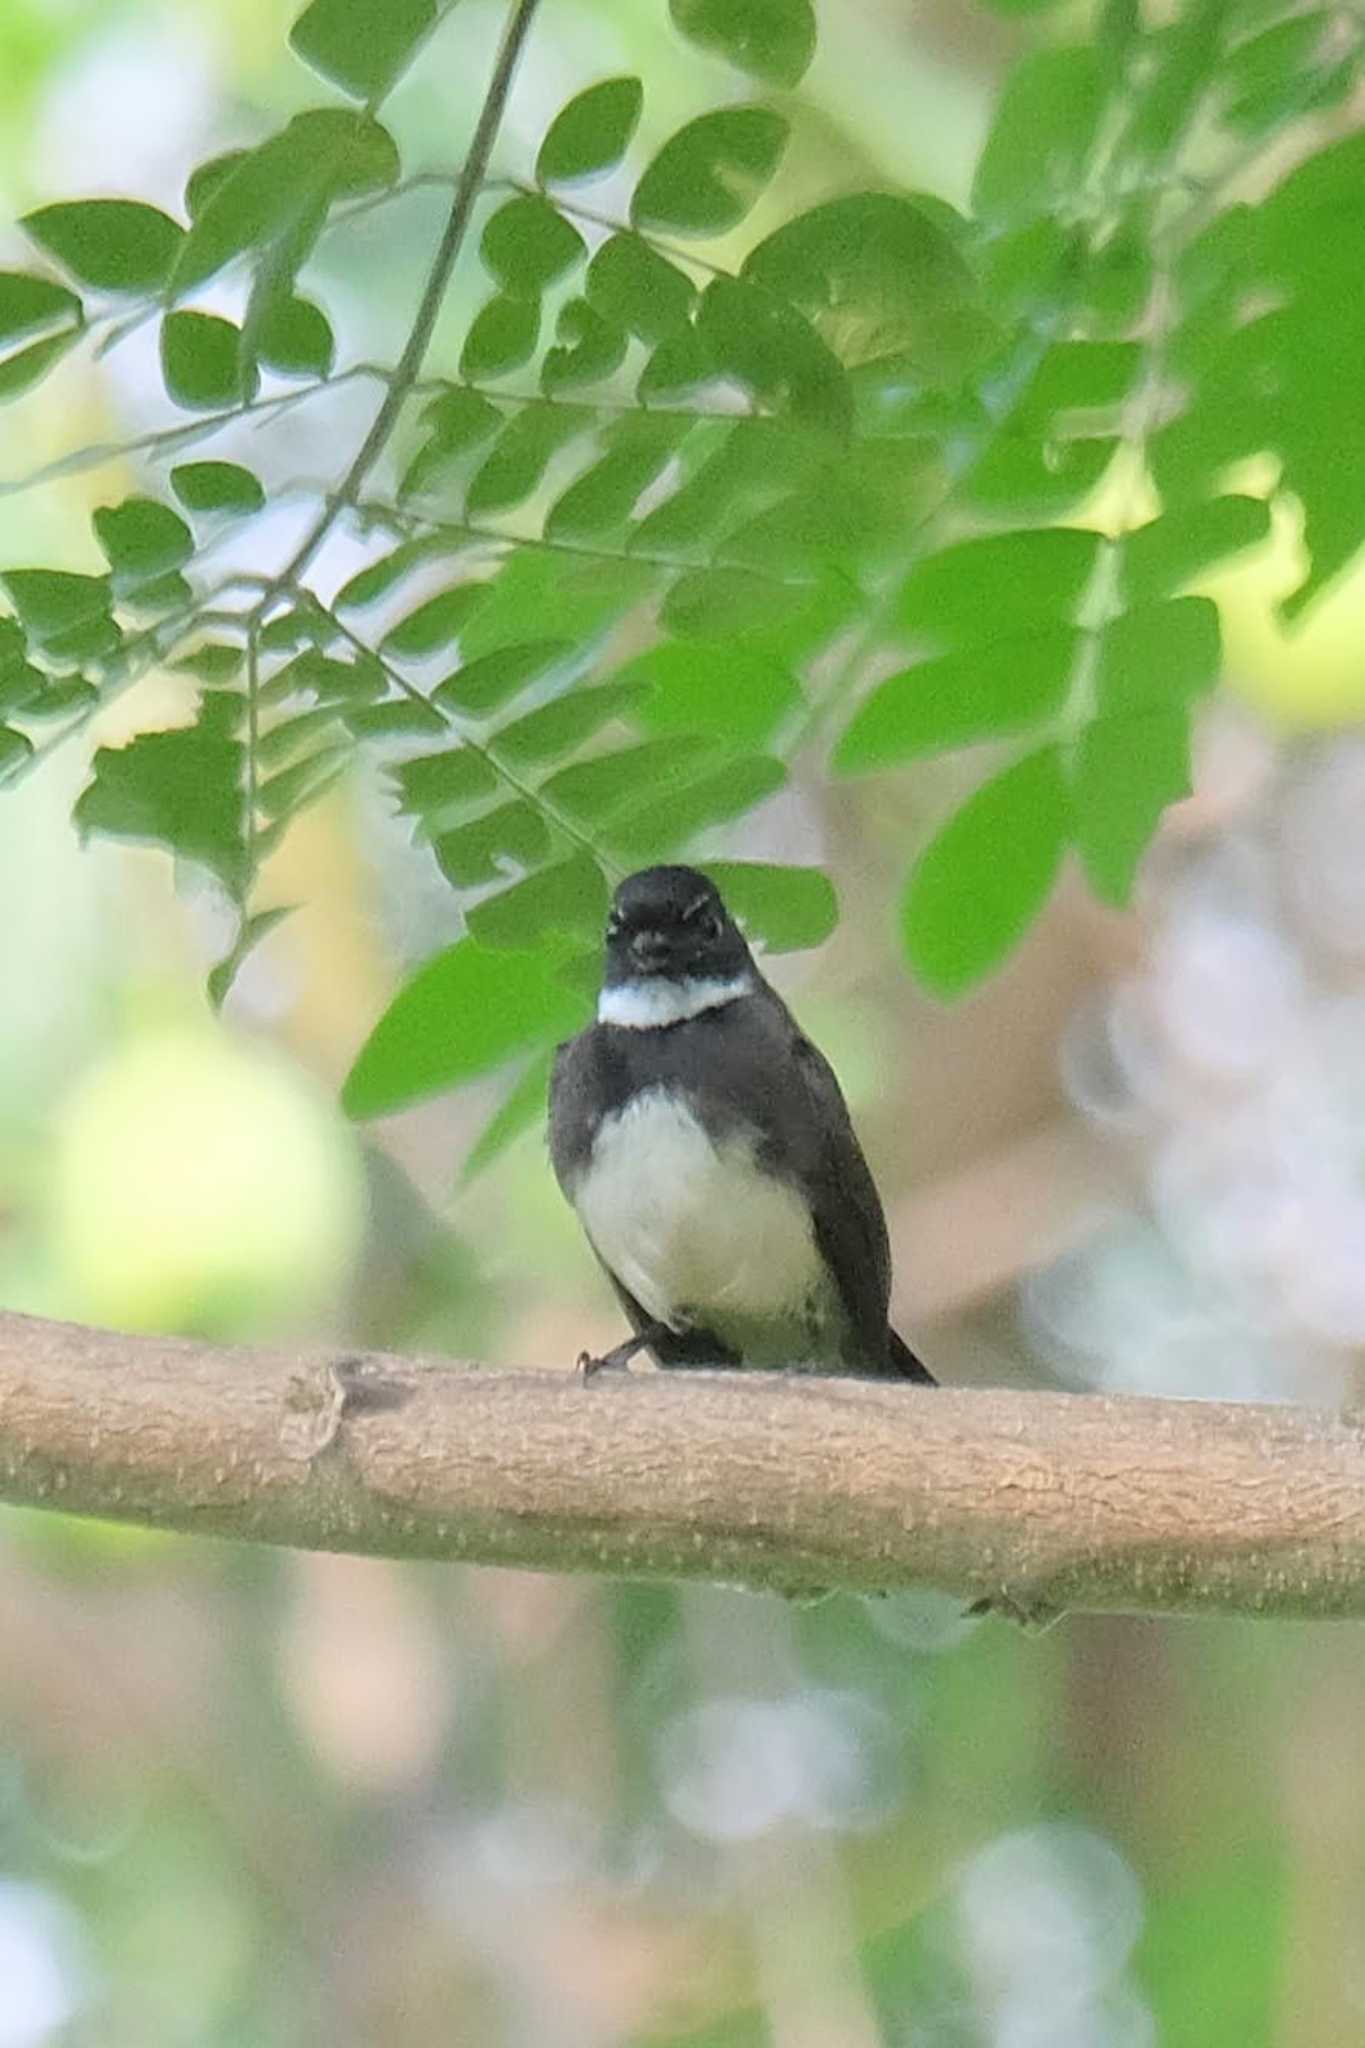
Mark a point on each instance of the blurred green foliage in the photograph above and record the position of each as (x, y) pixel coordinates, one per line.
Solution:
(791, 440)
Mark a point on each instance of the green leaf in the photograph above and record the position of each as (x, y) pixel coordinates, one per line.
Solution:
(205, 179)
(397, 718)
(1188, 59)
(592, 792)
(787, 909)
(539, 593)
(156, 596)
(311, 674)
(1170, 551)
(283, 741)
(1116, 286)
(588, 348)
(19, 373)
(1022, 475)
(877, 275)
(302, 624)
(361, 45)
(676, 371)
(1261, 79)
(15, 752)
(283, 795)
(281, 191)
(592, 133)
(518, 459)
(977, 694)
(435, 623)
(142, 539)
(1125, 772)
(201, 362)
(182, 789)
(707, 176)
(770, 39)
(1084, 376)
(217, 487)
(982, 880)
(377, 579)
(555, 730)
(116, 245)
(1317, 195)
(481, 686)
(453, 424)
(435, 783)
(712, 687)
(462, 1014)
(31, 305)
(215, 661)
(59, 609)
(568, 898)
(752, 464)
(659, 822)
(980, 591)
(502, 336)
(59, 699)
(295, 338)
(527, 244)
(1032, 270)
(638, 447)
(524, 1105)
(712, 604)
(771, 350)
(634, 287)
(1158, 653)
(1041, 136)
(252, 931)
(472, 854)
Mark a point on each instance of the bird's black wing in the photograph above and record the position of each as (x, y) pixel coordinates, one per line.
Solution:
(574, 1112)
(850, 1224)
(850, 1228)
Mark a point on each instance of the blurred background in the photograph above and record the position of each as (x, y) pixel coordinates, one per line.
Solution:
(250, 1799)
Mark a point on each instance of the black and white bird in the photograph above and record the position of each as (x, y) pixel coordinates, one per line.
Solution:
(707, 1149)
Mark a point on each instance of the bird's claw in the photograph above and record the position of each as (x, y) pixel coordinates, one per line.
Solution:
(587, 1367)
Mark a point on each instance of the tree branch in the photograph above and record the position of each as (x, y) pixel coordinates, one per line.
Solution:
(1034, 1501)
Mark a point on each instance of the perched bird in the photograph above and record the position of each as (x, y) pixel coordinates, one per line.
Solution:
(707, 1149)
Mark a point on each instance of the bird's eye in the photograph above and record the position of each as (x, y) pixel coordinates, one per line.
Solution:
(713, 927)
(613, 926)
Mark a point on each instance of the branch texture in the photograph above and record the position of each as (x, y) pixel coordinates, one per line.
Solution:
(1037, 1502)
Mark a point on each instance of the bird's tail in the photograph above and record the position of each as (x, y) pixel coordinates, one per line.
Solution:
(903, 1364)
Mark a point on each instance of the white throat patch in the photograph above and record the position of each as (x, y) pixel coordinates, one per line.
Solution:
(654, 1000)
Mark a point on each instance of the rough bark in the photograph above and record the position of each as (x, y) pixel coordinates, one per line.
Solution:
(1037, 1502)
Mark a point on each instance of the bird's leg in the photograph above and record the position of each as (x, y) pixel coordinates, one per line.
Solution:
(618, 1359)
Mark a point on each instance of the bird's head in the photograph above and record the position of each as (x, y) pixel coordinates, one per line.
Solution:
(669, 931)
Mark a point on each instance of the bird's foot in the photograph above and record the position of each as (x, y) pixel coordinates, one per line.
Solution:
(588, 1367)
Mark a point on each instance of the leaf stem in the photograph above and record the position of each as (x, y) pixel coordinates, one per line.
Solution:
(417, 527)
(161, 438)
(485, 749)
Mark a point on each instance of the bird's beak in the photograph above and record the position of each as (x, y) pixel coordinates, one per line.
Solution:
(649, 950)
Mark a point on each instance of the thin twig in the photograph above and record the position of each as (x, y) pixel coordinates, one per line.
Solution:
(409, 365)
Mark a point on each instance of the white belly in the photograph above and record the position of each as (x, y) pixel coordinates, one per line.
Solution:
(701, 1236)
